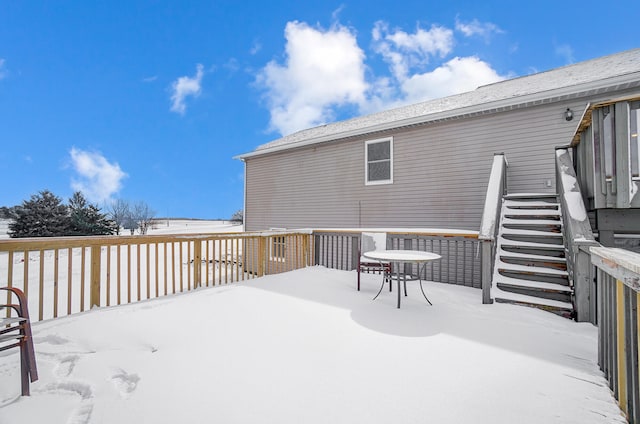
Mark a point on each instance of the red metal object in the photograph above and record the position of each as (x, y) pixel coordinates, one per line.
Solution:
(15, 331)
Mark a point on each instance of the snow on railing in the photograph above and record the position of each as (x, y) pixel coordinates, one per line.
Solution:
(578, 237)
(459, 263)
(618, 335)
(489, 224)
(65, 275)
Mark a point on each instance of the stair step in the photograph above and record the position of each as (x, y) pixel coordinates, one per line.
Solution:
(537, 289)
(513, 243)
(562, 280)
(537, 270)
(542, 222)
(533, 284)
(530, 260)
(533, 213)
(534, 239)
(521, 232)
(510, 204)
(515, 255)
(531, 196)
(555, 251)
(532, 227)
(563, 309)
(498, 295)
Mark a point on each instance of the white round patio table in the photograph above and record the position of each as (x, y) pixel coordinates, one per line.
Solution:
(400, 257)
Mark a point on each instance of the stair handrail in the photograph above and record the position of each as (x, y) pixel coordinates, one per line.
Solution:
(489, 224)
(578, 237)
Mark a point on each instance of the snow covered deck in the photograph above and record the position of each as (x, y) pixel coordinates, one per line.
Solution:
(306, 347)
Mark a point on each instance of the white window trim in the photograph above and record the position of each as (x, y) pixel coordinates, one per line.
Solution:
(272, 256)
(366, 161)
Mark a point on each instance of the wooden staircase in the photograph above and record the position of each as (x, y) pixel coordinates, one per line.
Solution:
(530, 266)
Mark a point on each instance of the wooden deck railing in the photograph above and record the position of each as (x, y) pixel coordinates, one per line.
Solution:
(460, 250)
(618, 291)
(64, 275)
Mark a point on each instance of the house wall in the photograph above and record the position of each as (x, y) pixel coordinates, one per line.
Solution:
(440, 171)
(614, 210)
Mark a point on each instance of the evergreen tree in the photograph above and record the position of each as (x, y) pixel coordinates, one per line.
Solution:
(43, 215)
(238, 216)
(86, 220)
(8, 212)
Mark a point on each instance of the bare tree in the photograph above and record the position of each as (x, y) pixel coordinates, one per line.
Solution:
(143, 215)
(119, 212)
(130, 223)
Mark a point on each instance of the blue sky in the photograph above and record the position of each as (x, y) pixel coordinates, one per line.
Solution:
(150, 100)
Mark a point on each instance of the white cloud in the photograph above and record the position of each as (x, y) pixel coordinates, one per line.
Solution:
(184, 87)
(255, 48)
(475, 27)
(150, 79)
(232, 65)
(3, 70)
(96, 178)
(458, 75)
(565, 51)
(403, 51)
(323, 69)
(335, 15)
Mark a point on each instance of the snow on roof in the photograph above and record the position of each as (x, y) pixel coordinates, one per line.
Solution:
(537, 87)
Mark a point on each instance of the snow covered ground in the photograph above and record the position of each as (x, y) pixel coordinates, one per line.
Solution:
(190, 226)
(306, 347)
(168, 226)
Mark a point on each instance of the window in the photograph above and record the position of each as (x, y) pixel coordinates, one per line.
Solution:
(278, 248)
(604, 141)
(379, 161)
(608, 137)
(634, 141)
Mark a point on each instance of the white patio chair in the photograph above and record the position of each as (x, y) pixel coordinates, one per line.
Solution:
(371, 242)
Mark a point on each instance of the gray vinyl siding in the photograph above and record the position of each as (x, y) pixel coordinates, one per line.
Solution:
(440, 173)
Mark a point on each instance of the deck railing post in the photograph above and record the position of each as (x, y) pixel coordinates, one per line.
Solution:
(309, 257)
(583, 284)
(94, 293)
(262, 255)
(197, 263)
(317, 239)
(486, 264)
(355, 252)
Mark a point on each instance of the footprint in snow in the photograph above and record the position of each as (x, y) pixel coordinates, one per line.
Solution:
(51, 339)
(66, 365)
(81, 389)
(124, 382)
(82, 413)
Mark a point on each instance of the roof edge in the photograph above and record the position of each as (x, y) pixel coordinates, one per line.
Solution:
(549, 96)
